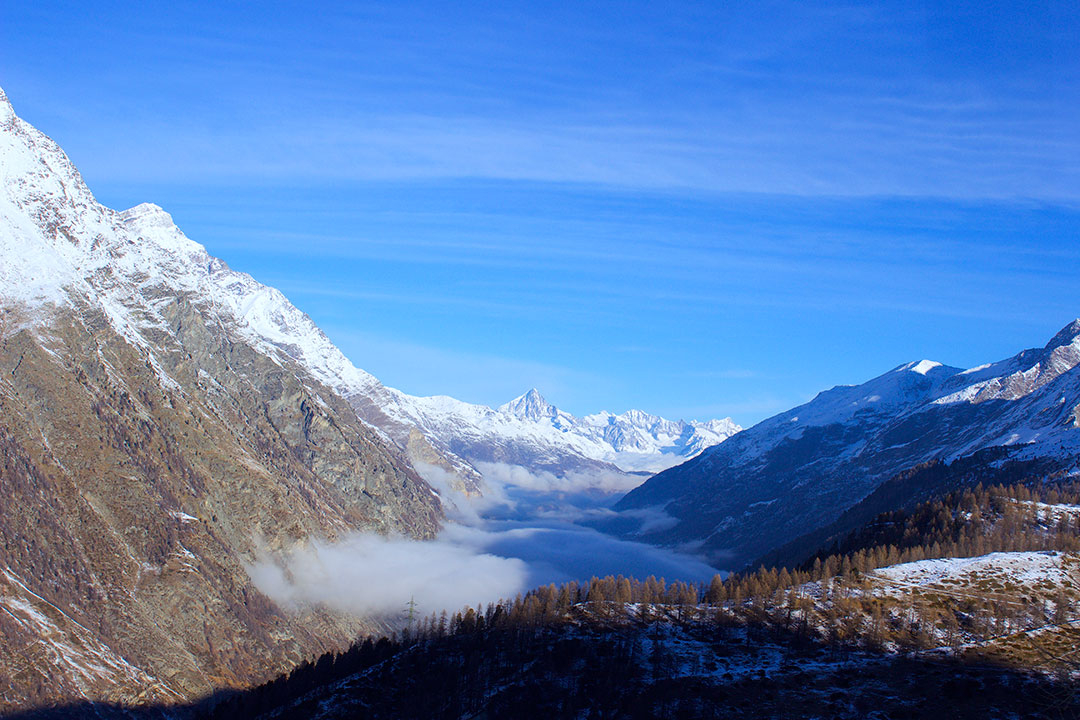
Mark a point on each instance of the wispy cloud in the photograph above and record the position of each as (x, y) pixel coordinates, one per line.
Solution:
(777, 98)
(756, 407)
(798, 151)
(725, 374)
(372, 575)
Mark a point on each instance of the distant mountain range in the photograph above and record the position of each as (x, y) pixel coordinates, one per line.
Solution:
(801, 470)
(530, 432)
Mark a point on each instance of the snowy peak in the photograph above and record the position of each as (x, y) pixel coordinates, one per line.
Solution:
(1068, 335)
(639, 418)
(59, 243)
(1021, 375)
(531, 432)
(924, 367)
(147, 216)
(530, 406)
(904, 386)
(7, 113)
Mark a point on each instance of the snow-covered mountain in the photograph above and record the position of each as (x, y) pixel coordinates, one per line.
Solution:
(530, 432)
(163, 424)
(798, 471)
(133, 261)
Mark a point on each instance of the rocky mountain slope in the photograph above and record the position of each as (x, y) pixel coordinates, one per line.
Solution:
(158, 435)
(798, 471)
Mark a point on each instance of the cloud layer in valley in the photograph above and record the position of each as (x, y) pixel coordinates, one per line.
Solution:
(369, 574)
(529, 529)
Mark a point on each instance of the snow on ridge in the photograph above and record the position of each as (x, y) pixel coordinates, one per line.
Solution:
(921, 385)
(632, 441)
(924, 366)
(7, 113)
(1021, 375)
(1041, 387)
(903, 387)
(530, 405)
(63, 244)
(1050, 512)
(59, 241)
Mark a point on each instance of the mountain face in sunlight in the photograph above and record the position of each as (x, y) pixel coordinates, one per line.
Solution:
(156, 440)
(531, 433)
(798, 471)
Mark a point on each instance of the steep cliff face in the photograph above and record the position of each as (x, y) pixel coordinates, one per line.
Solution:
(154, 440)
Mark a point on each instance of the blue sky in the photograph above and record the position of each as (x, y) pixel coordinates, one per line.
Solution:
(698, 209)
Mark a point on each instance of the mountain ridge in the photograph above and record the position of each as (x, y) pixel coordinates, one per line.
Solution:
(530, 432)
(154, 446)
(802, 468)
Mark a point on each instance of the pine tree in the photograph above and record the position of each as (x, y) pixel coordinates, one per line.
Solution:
(717, 592)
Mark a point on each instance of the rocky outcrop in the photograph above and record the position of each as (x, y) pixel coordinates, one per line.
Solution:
(132, 508)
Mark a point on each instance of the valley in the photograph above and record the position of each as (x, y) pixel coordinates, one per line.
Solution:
(207, 510)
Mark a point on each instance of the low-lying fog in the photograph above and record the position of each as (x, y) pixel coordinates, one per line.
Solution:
(528, 529)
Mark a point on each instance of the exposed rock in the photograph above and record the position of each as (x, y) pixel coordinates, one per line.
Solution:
(154, 442)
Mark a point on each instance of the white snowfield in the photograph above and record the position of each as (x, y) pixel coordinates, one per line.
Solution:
(1042, 569)
(1050, 512)
(61, 247)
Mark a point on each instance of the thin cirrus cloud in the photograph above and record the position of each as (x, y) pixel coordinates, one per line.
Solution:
(808, 154)
(813, 191)
(807, 99)
(464, 374)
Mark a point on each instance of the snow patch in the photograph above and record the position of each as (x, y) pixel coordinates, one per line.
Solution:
(1024, 568)
(924, 366)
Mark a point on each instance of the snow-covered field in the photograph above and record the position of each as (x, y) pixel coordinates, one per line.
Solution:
(1051, 512)
(1021, 569)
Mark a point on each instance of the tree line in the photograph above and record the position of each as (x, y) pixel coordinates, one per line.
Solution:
(823, 603)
